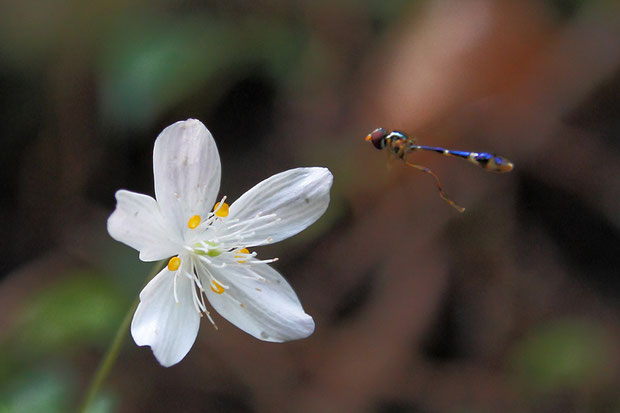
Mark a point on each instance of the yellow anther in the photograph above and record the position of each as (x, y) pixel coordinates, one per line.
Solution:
(174, 263)
(222, 211)
(217, 287)
(194, 221)
(242, 251)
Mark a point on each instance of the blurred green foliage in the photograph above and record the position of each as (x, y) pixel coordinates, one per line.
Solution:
(36, 391)
(562, 355)
(81, 310)
(151, 63)
(47, 389)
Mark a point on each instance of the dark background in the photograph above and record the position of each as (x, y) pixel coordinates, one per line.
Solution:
(512, 306)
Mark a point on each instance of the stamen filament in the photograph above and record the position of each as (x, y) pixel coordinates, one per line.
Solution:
(208, 314)
(267, 261)
(208, 261)
(174, 288)
(196, 304)
(221, 208)
(202, 298)
(238, 234)
(196, 280)
(247, 223)
(251, 221)
(253, 277)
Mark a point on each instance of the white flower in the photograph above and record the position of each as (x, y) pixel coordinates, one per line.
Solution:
(208, 245)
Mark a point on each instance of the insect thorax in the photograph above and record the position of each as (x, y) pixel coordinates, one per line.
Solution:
(399, 144)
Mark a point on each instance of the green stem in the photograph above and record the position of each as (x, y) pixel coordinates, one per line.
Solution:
(114, 349)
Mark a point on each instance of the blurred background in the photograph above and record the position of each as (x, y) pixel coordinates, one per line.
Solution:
(512, 306)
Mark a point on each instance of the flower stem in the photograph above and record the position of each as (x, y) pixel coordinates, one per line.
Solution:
(114, 349)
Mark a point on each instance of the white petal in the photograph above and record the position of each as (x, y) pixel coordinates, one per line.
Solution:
(186, 167)
(268, 309)
(137, 222)
(297, 197)
(170, 328)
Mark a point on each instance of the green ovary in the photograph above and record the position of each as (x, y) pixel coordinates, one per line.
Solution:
(199, 249)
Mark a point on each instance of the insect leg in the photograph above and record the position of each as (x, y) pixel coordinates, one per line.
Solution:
(441, 192)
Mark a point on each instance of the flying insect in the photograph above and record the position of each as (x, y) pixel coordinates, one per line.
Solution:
(401, 145)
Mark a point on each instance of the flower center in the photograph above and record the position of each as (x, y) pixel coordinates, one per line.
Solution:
(206, 248)
(174, 263)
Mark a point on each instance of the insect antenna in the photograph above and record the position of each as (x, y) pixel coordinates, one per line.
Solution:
(442, 194)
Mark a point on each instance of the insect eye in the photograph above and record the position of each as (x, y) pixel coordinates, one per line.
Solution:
(377, 137)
